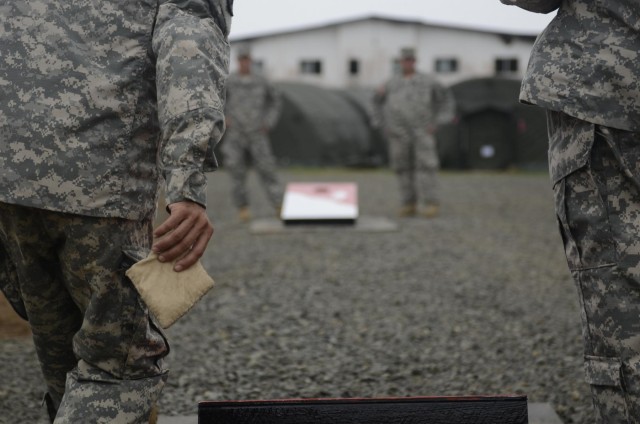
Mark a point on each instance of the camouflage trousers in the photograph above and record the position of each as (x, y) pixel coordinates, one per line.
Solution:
(596, 175)
(240, 149)
(99, 350)
(414, 159)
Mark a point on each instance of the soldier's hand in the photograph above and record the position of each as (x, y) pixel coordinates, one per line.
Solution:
(185, 234)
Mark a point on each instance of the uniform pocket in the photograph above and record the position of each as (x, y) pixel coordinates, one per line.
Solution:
(148, 343)
(605, 376)
(570, 143)
(570, 246)
(603, 371)
(583, 218)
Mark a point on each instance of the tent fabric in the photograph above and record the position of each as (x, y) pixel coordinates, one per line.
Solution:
(319, 127)
(493, 130)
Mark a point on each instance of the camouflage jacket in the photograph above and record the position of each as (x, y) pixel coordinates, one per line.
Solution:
(416, 101)
(586, 63)
(102, 98)
(252, 102)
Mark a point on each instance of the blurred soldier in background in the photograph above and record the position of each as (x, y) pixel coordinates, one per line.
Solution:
(100, 100)
(410, 107)
(585, 70)
(252, 109)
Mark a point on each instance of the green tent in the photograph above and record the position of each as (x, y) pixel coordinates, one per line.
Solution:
(320, 127)
(493, 130)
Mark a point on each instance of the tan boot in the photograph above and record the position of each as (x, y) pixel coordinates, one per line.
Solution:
(244, 214)
(407, 210)
(153, 417)
(430, 211)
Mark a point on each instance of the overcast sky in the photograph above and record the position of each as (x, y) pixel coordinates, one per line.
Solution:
(254, 17)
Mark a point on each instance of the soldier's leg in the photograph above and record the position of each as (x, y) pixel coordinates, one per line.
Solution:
(427, 165)
(81, 306)
(598, 207)
(120, 346)
(401, 156)
(265, 164)
(53, 315)
(235, 162)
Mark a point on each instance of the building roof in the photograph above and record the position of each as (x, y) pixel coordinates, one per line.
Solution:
(333, 24)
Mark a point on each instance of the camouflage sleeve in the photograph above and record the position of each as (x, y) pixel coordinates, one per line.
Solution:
(444, 104)
(273, 106)
(538, 6)
(192, 61)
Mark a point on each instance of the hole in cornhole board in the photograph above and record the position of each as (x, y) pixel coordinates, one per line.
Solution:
(410, 410)
(320, 203)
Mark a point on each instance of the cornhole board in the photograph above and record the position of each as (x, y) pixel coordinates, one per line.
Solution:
(364, 224)
(318, 203)
(413, 410)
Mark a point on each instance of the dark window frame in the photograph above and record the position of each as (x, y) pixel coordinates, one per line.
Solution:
(354, 67)
(446, 65)
(506, 65)
(311, 66)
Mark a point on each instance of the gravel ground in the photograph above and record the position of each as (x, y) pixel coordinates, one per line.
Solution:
(477, 301)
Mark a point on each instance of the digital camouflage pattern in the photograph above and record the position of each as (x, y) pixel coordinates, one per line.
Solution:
(252, 103)
(598, 205)
(410, 109)
(252, 108)
(586, 63)
(85, 403)
(101, 97)
(584, 69)
(81, 306)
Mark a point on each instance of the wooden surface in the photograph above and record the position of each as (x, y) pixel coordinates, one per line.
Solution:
(422, 410)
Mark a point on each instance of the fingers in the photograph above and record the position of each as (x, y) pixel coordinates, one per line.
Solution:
(185, 235)
(196, 252)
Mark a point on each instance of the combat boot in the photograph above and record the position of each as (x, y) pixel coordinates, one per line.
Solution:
(244, 215)
(153, 416)
(407, 210)
(430, 211)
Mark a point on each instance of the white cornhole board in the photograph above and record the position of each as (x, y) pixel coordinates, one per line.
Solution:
(309, 203)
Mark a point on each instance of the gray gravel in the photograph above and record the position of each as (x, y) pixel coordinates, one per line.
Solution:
(478, 301)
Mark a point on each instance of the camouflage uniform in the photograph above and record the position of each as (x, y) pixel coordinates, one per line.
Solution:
(585, 70)
(99, 101)
(252, 107)
(410, 108)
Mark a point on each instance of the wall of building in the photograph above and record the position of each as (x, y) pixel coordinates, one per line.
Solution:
(374, 44)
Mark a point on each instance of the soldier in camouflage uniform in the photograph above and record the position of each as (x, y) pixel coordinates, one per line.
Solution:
(411, 106)
(252, 109)
(99, 101)
(585, 70)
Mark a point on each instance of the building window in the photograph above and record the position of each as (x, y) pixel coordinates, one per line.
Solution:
(354, 67)
(311, 67)
(506, 66)
(446, 65)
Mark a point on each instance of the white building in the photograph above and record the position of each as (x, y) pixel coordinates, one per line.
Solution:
(363, 52)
